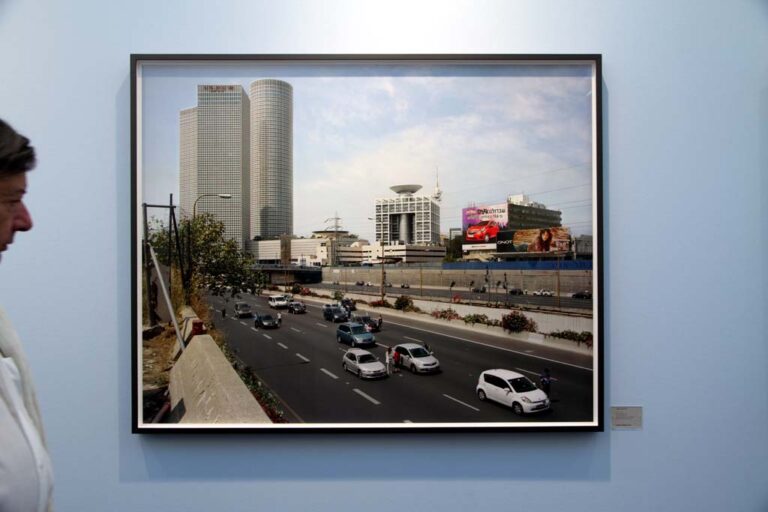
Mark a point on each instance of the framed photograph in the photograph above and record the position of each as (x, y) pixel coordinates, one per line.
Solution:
(356, 243)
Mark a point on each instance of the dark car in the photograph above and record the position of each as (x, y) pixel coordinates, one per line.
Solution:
(266, 321)
(516, 291)
(359, 283)
(334, 314)
(586, 294)
(296, 307)
(370, 324)
(478, 290)
(348, 304)
(405, 285)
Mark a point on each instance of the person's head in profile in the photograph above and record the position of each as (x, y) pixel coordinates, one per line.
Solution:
(16, 158)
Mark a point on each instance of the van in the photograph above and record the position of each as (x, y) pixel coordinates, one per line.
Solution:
(278, 301)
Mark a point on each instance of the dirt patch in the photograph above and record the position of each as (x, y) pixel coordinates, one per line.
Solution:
(157, 358)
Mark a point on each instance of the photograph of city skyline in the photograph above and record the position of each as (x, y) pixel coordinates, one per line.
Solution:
(367, 243)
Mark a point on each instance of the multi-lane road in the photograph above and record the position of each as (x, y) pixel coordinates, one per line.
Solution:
(301, 363)
(445, 294)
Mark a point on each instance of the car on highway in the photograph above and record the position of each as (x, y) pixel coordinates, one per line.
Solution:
(586, 294)
(483, 231)
(296, 307)
(516, 291)
(354, 334)
(348, 304)
(405, 285)
(334, 313)
(243, 310)
(479, 289)
(416, 358)
(363, 364)
(543, 292)
(368, 283)
(513, 390)
(359, 283)
(278, 301)
(370, 324)
(266, 321)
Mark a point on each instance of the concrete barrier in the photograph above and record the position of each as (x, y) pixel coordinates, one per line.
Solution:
(205, 388)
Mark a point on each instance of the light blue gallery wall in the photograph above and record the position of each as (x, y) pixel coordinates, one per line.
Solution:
(686, 188)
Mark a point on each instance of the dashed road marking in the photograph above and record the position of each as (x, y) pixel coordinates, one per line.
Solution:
(460, 402)
(302, 357)
(321, 325)
(533, 373)
(494, 346)
(282, 346)
(254, 329)
(295, 329)
(245, 324)
(413, 339)
(367, 397)
(331, 375)
(267, 336)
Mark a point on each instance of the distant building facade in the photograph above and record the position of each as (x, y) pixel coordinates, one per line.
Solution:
(407, 219)
(523, 213)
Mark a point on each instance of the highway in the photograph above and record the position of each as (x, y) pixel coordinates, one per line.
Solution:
(301, 363)
(529, 300)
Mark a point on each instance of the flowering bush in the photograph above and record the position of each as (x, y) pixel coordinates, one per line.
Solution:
(580, 337)
(380, 304)
(446, 314)
(404, 303)
(518, 322)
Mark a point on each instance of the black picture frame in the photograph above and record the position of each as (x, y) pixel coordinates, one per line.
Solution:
(181, 67)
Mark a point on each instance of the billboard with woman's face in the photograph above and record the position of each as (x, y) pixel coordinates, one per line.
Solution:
(542, 240)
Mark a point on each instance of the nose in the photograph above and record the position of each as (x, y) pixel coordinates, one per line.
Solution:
(22, 220)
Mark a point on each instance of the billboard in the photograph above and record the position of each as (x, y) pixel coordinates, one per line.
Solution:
(542, 240)
(481, 224)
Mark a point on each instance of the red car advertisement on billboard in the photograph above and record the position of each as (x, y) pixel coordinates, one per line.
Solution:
(481, 224)
(542, 240)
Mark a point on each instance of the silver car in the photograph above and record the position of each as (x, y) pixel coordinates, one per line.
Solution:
(416, 358)
(363, 364)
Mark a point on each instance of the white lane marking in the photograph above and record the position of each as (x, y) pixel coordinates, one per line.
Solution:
(245, 324)
(413, 339)
(267, 336)
(321, 325)
(282, 346)
(301, 357)
(529, 351)
(367, 397)
(533, 373)
(335, 377)
(494, 346)
(254, 329)
(459, 401)
(295, 329)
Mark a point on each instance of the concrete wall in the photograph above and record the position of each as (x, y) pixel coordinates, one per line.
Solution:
(570, 280)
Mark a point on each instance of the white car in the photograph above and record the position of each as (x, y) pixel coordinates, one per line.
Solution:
(363, 364)
(416, 358)
(543, 293)
(278, 301)
(513, 390)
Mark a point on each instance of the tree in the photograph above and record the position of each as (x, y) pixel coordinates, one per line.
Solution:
(211, 260)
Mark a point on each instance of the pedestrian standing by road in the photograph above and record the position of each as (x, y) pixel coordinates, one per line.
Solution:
(546, 381)
(388, 360)
(279, 318)
(380, 322)
(26, 478)
(396, 360)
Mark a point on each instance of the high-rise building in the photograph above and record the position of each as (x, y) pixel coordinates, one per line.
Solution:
(407, 218)
(271, 168)
(214, 159)
(187, 160)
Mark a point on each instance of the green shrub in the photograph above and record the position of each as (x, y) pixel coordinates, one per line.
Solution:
(518, 322)
(338, 295)
(580, 337)
(476, 319)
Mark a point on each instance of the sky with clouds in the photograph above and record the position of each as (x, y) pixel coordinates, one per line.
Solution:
(489, 130)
